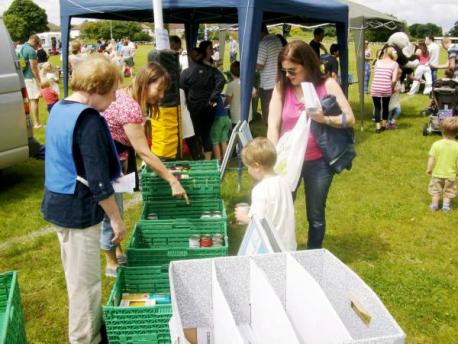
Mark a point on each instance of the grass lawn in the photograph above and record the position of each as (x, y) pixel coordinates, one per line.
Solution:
(378, 223)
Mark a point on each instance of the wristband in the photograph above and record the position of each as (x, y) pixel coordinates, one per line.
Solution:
(343, 124)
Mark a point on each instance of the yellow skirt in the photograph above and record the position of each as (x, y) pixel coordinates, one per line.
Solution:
(166, 133)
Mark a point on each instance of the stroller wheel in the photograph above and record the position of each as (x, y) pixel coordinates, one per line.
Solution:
(425, 130)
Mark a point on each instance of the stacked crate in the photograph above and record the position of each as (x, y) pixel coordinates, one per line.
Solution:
(167, 230)
(12, 329)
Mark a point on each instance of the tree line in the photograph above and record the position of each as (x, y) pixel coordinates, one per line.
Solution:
(24, 18)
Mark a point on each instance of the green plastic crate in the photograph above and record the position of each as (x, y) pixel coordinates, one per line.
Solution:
(201, 181)
(178, 209)
(12, 329)
(129, 325)
(150, 246)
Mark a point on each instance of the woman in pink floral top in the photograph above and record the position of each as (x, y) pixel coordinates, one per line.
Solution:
(125, 118)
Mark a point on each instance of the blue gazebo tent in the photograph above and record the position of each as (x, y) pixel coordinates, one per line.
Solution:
(248, 14)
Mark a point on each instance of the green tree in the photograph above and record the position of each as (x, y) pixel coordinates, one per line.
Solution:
(24, 18)
(422, 30)
(17, 27)
(454, 30)
(104, 28)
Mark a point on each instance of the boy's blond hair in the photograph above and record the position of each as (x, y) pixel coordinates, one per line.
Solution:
(45, 83)
(75, 47)
(449, 126)
(260, 151)
(97, 74)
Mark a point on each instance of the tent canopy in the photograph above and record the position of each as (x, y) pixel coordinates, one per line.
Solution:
(248, 14)
(362, 17)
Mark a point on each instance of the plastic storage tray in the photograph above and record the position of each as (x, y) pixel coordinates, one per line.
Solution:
(138, 324)
(12, 329)
(151, 246)
(178, 209)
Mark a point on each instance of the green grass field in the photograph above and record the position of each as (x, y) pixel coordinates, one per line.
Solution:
(378, 224)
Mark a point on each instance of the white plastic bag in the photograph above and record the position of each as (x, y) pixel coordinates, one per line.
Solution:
(291, 150)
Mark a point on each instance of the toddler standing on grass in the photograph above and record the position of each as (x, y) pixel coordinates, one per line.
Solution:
(49, 94)
(271, 198)
(443, 165)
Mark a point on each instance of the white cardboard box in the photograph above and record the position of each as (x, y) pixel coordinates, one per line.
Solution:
(299, 297)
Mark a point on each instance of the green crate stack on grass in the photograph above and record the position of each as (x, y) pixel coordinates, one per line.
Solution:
(138, 324)
(159, 239)
(12, 330)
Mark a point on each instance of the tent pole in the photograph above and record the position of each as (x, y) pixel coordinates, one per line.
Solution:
(65, 35)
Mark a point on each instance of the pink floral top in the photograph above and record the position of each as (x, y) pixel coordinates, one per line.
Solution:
(122, 111)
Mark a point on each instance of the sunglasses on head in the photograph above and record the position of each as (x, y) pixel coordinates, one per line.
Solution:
(289, 71)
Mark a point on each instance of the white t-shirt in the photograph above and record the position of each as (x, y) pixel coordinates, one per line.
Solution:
(233, 91)
(271, 199)
(269, 48)
(434, 51)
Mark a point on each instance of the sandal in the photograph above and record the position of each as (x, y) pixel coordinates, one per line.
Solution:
(122, 259)
(111, 272)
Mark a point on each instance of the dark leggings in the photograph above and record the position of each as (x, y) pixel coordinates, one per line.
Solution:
(381, 108)
(202, 120)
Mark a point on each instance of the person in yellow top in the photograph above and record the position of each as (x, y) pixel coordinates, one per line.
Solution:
(443, 165)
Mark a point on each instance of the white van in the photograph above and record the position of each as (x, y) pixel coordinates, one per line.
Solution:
(16, 135)
(51, 42)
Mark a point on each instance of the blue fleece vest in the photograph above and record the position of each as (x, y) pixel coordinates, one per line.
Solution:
(60, 168)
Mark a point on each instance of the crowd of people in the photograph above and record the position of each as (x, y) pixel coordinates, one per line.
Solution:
(95, 135)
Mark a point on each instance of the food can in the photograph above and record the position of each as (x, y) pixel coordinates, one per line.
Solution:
(206, 240)
(152, 216)
(194, 241)
(217, 214)
(218, 240)
(206, 215)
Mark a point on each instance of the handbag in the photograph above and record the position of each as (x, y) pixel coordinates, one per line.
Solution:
(290, 146)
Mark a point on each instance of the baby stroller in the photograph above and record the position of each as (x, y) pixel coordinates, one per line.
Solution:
(444, 103)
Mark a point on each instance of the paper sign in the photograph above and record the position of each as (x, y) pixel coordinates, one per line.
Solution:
(125, 183)
(162, 39)
(309, 310)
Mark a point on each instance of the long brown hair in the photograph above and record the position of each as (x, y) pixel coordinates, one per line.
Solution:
(301, 53)
(148, 74)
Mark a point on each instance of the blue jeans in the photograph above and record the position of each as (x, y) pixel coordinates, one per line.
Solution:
(106, 235)
(317, 177)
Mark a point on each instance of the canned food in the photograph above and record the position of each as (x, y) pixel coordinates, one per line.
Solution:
(206, 241)
(152, 216)
(194, 241)
(217, 214)
(206, 215)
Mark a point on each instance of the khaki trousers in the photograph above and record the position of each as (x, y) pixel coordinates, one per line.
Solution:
(80, 254)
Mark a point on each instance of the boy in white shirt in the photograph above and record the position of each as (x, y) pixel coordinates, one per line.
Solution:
(233, 94)
(271, 198)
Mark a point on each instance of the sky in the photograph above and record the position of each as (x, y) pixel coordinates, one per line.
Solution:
(440, 12)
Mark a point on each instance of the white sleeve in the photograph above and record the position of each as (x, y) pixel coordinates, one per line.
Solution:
(258, 203)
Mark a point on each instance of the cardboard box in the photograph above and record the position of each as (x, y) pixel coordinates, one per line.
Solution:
(299, 297)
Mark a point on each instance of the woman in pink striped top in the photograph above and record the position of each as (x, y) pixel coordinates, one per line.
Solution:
(385, 76)
(297, 62)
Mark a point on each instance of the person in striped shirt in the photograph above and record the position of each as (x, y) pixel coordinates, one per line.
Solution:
(383, 82)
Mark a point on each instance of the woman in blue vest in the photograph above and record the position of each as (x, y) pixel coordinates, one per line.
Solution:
(81, 163)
